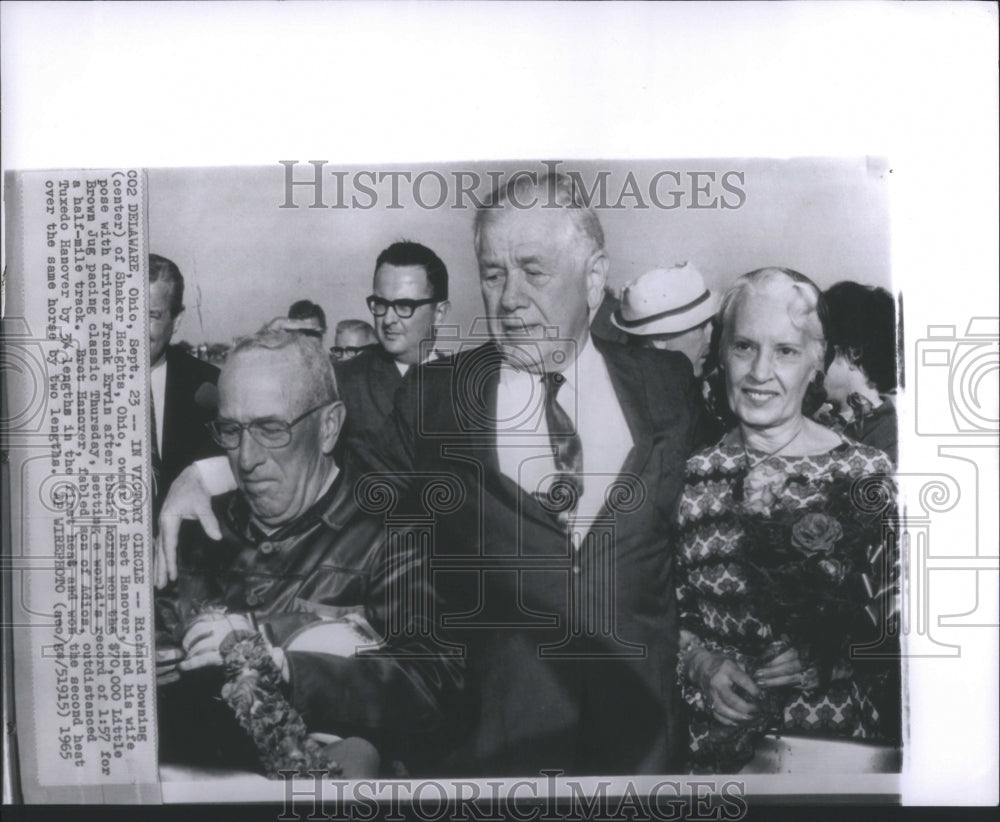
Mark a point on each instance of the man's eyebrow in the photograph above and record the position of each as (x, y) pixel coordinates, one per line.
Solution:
(531, 257)
(255, 419)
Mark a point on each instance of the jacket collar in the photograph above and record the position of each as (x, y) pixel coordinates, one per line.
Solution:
(478, 377)
(476, 380)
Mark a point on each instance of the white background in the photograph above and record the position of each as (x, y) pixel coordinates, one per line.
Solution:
(222, 84)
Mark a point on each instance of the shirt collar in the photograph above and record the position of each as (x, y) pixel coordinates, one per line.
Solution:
(404, 368)
(586, 361)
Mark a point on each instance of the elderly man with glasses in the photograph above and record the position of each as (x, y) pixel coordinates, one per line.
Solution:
(351, 338)
(302, 565)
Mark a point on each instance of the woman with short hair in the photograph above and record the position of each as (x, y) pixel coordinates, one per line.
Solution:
(783, 566)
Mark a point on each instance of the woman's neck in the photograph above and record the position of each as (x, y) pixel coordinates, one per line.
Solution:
(775, 438)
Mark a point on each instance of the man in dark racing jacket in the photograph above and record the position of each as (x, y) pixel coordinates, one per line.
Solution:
(343, 599)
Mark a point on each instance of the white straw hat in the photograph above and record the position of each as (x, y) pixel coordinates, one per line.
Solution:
(665, 301)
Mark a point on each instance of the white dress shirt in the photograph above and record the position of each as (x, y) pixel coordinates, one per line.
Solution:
(590, 401)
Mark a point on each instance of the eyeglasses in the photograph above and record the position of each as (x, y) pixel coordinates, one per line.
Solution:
(404, 308)
(338, 352)
(269, 433)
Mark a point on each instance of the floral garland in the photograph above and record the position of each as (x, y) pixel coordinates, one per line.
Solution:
(253, 690)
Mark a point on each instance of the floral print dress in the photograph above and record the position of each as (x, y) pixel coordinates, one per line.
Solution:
(821, 508)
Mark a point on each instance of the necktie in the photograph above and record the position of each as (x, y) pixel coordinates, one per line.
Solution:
(567, 449)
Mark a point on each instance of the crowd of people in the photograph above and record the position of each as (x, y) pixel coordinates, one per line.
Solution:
(630, 533)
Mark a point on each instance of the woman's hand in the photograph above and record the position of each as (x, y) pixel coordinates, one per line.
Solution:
(717, 676)
(785, 669)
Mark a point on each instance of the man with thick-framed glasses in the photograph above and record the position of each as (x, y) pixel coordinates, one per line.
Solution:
(302, 565)
(409, 300)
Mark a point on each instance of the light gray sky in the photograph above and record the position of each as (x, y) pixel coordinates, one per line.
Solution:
(245, 260)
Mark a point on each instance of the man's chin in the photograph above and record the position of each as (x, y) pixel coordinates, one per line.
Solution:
(267, 517)
(259, 496)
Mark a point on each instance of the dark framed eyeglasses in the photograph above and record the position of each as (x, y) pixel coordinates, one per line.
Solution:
(404, 308)
(338, 352)
(269, 433)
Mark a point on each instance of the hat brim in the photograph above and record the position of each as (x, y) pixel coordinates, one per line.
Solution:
(674, 324)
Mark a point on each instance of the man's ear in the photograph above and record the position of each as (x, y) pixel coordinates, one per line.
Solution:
(331, 424)
(440, 312)
(597, 278)
(177, 320)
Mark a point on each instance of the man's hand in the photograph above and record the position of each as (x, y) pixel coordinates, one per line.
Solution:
(166, 665)
(202, 640)
(188, 498)
(716, 674)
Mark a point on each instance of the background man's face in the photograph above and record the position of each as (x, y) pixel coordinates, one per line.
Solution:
(352, 338)
(402, 337)
(278, 483)
(839, 381)
(161, 322)
(538, 282)
(692, 343)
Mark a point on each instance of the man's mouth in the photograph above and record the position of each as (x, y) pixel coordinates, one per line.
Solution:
(255, 484)
(516, 328)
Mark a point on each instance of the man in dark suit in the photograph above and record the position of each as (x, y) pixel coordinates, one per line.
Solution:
(183, 394)
(567, 456)
(409, 299)
(550, 463)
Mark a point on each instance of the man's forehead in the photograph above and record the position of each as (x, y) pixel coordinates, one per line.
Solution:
(269, 379)
(351, 335)
(529, 232)
(401, 278)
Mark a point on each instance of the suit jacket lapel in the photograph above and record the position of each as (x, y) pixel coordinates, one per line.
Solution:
(477, 380)
(479, 393)
(629, 384)
(480, 381)
(383, 380)
(171, 397)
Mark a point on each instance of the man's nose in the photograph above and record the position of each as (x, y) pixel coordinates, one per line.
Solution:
(250, 453)
(512, 297)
